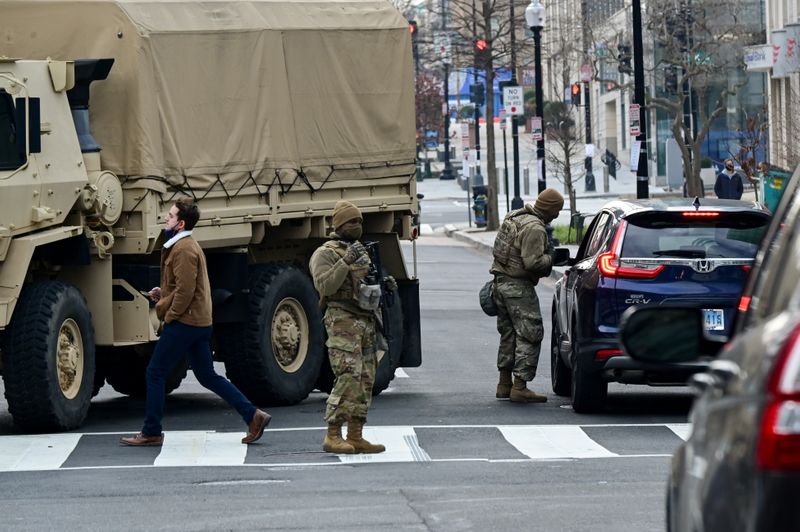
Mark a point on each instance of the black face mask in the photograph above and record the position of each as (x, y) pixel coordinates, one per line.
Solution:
(350, 235)
(729, 168)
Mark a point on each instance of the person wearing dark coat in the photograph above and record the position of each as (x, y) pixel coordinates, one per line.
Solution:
(729, 183)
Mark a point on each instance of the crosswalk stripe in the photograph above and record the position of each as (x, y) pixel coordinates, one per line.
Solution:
(401, 446)
(682, 430)
(209, 448)
(189, 448)
(553, 441)
(36, 452)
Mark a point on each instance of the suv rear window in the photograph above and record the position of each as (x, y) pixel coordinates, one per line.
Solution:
(676, 234)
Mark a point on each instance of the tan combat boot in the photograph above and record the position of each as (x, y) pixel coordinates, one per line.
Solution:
(504, 386)
(334, 443)
(355, 439)
(521, 394)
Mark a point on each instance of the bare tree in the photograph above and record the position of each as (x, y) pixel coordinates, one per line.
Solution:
(699, 43)
(563, 148)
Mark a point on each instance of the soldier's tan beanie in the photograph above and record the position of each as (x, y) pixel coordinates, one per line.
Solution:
(344, 211)
(550, 201)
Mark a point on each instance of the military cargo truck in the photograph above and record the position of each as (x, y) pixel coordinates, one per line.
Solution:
(266, 113)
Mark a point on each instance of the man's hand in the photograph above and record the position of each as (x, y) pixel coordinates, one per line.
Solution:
(155, 293)
(354, 251)
(391, 284)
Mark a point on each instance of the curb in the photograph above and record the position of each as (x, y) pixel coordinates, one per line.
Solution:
(457, 234)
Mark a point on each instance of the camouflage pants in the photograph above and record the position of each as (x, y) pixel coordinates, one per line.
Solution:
(519, 322)
(351, 350)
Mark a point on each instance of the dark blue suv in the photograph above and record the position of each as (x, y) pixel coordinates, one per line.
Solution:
(647, 252)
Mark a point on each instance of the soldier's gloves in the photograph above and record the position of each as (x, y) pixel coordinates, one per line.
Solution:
(391, 284)
(354, 251)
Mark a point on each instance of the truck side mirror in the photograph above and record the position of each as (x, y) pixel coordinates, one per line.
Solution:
(32, 128)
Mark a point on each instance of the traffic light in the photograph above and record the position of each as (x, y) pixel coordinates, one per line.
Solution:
(482, 53)
(576, 93)
(412, 27)
(624, 58)
(476, 94)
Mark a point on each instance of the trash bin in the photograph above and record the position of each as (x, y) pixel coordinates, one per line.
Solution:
(479, 203)
(774, 185)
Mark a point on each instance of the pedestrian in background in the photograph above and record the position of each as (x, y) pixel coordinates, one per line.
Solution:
(729, 183)
(183, 303)
(522, 255)
(339, 268)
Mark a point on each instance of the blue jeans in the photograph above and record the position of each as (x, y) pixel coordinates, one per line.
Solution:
(176, 340)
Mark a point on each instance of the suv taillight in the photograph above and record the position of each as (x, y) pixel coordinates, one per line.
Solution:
(611, 265)
(779, 439)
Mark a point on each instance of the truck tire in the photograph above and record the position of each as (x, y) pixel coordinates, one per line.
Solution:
(560, 376)
(390, 360)
(125, 368)
(275, 358)
(49, 358)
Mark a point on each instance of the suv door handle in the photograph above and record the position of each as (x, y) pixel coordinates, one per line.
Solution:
(724, 370)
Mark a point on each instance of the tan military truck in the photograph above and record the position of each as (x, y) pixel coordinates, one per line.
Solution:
(266, 113)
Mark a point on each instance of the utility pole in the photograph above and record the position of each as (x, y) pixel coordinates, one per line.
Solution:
(517, 202)
(586, 75)
(642, 171)
(447, 173)
(477, 114)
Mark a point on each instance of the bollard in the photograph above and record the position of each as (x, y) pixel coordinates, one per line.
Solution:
(428, 168)
(526, 180)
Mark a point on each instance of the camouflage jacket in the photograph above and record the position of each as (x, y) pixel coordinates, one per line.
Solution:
(521, 248)
(336, 281)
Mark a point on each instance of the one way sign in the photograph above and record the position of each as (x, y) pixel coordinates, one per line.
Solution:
(513, 100)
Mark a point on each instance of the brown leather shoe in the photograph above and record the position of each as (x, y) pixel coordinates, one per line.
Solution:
(260, 421)
(142, 440)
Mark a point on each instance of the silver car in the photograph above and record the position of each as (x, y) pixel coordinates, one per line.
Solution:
(739, 470)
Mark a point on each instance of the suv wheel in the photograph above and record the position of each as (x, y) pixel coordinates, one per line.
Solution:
(589, 390)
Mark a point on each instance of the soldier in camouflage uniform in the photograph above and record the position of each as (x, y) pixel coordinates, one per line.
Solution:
(522, 255)
(338, 267)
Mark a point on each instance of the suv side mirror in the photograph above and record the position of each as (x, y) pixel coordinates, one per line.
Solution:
(666, 334)
(560, 256)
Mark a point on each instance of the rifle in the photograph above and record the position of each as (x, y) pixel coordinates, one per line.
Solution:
(375, 277)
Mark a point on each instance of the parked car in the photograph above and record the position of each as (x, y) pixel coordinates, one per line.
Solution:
(646, 252)
(739, 469)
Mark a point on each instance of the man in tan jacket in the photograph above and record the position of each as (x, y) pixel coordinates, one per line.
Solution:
(183, 303)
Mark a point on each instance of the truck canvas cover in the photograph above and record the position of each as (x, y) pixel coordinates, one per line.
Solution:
(231, 92)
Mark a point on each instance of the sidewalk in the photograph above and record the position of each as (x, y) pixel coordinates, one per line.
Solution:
(587, 203)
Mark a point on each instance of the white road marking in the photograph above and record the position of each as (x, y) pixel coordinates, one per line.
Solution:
(553, 441)
(189, 448)
(36, 452)
(401, 446)
(209, 448)
(682, 430)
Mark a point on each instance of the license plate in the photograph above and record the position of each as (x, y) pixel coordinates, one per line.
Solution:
(715, 319)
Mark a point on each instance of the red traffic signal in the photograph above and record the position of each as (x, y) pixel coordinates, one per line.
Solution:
(481, 45)
(576, 93)
(482, 54)
(412, 27)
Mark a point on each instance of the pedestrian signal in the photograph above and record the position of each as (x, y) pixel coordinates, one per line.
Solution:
(576, 94)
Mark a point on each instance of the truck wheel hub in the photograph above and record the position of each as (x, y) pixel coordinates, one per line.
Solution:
(69, 358)
(290, 334)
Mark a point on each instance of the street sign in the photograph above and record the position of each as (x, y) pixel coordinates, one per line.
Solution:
(586, 72)
(634, 120)
(536, 128)
(465, 135)
(514, 100)
(528, 77)
(502, 119)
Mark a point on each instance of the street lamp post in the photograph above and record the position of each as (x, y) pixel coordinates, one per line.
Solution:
(447, 173)
(477, 111)
(534, 17)
(517, 202)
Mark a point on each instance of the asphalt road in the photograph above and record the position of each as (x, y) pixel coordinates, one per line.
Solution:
(458, 458)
